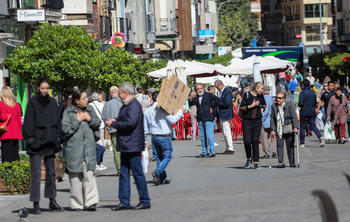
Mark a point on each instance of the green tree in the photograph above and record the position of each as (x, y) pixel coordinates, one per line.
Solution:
(117, 65)
(70, 58)
(63, 54)
(237, 24)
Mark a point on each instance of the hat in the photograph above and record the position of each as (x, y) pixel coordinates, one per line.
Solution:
(266, 88)
(151, 90)
(94, 96)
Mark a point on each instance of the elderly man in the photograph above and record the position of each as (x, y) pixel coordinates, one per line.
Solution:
(111, 111)
(159, 124)
(265, 134)
(225, 114)
(205, 103)
(130, 143)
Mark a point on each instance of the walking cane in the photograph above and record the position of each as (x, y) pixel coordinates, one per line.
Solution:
(297, 135)
(271, 150)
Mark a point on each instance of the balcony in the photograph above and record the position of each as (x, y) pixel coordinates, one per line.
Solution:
(166, 23)
(292, 18)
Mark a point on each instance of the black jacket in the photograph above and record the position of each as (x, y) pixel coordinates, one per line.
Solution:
(130, 127)
(255, 112)
(41, 128)
(203, 109)
(290, 116)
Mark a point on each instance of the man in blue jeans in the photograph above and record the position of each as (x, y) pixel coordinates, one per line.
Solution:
(205, 103)
(157, 122)
(130, 144)
(307, 104)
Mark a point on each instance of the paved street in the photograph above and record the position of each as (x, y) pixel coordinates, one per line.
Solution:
(216, 189)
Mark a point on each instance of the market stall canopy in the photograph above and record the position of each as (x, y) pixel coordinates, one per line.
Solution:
(268, 64)
(184, 69)
(228, 80)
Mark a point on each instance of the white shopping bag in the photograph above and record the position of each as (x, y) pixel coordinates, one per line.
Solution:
(319, 122)
(329, 134)
(145, 160)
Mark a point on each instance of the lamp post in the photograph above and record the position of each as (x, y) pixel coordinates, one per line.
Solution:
(217, 14)
(321, 32)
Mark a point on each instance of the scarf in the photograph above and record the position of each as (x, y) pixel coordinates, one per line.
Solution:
(339, 98)
(78, 109)
(280, 120)
(43, 101)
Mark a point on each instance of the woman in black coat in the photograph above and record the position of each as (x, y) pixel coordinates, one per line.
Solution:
(284, 123)
(41, 130)
(251, 108)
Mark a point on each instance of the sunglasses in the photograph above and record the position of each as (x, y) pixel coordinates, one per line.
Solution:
(279, 97)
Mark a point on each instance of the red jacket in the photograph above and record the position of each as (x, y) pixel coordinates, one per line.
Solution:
(15, 124)
(288, 78)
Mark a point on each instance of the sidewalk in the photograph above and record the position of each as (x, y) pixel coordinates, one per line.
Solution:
(215, 189)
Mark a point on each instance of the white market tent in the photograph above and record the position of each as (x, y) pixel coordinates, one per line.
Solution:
(246, 66)
(184, 69)
(207, 73)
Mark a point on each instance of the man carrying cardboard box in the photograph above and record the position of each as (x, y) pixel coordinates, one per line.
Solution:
(205, 103)
(159, 124)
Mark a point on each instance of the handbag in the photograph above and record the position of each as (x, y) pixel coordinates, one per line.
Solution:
(287, 129)
(3, 125)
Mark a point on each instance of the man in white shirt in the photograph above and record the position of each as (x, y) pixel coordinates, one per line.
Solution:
(157, 122)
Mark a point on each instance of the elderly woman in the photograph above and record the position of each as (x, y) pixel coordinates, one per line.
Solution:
(338, 110)
(79, 122)
(284, 123)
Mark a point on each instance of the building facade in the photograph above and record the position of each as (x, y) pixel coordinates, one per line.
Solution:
(342, 17)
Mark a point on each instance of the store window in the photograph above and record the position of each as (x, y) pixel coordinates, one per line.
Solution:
(312, 33)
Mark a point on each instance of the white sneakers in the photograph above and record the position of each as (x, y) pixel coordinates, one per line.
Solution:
(322, 141)
(100, 167)
(301, 145)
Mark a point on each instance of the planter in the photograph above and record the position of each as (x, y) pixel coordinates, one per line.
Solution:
(59, 170)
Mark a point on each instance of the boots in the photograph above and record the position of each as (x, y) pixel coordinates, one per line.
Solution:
(54, 205)
(36, 209)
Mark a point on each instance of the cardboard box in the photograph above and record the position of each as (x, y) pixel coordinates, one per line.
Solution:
(173, 95)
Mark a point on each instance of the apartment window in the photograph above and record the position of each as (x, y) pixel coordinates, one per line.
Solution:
(312, 33)
(340, 26)
(313, 10)
(339, 5)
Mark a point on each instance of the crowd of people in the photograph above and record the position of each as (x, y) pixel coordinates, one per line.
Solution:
(85, 127)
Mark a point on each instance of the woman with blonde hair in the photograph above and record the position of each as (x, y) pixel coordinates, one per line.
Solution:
(252, 106)
(9, 139)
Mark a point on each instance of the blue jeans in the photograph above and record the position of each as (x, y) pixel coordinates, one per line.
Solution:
(164, 149)
(311, 121)
(287, 84)
(282, 81)
(154, 152)
(206, 131)
(99, 153)
(132, 161)
(292, 95)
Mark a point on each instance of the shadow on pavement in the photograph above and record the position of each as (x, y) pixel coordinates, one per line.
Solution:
(63, 190)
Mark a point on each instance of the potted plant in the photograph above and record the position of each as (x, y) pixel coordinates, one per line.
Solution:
(15, 177)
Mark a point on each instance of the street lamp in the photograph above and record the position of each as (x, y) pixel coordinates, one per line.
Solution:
(321, 32)
(217, 15)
